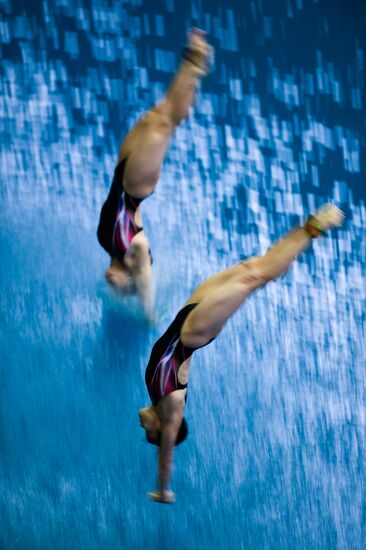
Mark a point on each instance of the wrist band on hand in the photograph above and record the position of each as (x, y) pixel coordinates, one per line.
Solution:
(313, 229)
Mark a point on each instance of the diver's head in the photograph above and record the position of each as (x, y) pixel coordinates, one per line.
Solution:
(119, 278)
(150, 421)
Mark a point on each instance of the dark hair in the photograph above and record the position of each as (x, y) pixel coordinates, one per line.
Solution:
(182, 435)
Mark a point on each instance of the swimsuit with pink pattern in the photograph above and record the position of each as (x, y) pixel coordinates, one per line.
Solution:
(167, 355)
(117, 225)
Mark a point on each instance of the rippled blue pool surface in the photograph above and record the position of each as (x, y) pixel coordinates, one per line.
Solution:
(277, 404)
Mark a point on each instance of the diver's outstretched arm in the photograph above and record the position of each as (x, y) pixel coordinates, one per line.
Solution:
(171, 414)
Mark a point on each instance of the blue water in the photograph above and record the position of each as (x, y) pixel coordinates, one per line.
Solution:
(276, 406)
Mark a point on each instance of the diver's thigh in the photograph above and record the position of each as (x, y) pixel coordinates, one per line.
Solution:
(145, 146)
(212, 283)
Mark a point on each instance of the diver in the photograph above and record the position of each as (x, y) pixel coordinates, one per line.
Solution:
(198, 323)
(141, 154)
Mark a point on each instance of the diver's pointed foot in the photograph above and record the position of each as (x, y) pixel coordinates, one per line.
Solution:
(326, 217)
(198, 52)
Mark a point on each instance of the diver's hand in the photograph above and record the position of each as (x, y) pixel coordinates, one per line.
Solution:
(165, 497)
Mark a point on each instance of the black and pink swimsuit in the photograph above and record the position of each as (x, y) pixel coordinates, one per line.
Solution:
(117, 225)
(167, 355)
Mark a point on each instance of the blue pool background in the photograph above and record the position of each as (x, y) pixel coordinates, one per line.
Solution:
(276, 407)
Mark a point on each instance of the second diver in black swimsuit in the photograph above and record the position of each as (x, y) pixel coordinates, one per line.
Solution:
(197, 324)
(141, 154)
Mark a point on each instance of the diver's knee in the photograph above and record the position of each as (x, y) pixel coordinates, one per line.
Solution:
(160, 118)
(266, 271)
(255, 272)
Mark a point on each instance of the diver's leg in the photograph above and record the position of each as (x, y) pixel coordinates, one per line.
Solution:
(211, 314)
(216, 281)
(146, 144)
